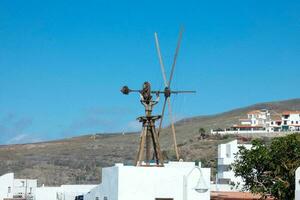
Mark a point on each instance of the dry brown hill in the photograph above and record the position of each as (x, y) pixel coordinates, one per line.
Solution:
(79, 160)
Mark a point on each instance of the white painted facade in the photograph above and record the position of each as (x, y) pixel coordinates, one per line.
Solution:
(261, 121)
(64, 192)
(226, 156)
(25, 187)
(11, 187)
(176, 181)
(47, 193)
(259, 117)
(6, 186)
(297, 184)
(94, 194)
(291, 120)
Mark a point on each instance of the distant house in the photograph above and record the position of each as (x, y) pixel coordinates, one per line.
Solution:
(275, 123)
(261, 121)
(290, 121)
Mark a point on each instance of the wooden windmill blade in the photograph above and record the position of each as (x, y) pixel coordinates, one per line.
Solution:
(167, 87)
(175, 56)
(169, 101)
(162, 67)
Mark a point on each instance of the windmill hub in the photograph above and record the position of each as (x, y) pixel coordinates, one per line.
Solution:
(167, 92)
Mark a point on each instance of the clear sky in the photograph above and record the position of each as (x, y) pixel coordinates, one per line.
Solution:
(62, 63)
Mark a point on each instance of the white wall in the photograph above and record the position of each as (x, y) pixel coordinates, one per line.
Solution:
(25, 187)
(110, 183)
(93, 194)
(297, 182)
(6, 181)
(226, 156)
(46, 193)
(64, 192)
(69, 192)
(147, 183)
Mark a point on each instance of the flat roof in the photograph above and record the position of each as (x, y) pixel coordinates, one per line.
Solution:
(288, 112)
(234, 196)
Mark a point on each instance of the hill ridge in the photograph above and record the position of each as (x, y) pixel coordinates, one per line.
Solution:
(78, 160)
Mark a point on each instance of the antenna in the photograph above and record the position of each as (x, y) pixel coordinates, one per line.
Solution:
(149, 134)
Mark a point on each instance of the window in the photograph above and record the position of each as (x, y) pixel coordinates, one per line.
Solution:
(285, 116)
(228, 150)
(9, 189)
(163, 198)
(105, 198)
(292, 122)
(97, 198)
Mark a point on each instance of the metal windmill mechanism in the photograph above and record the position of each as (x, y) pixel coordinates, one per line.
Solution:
(149, 133)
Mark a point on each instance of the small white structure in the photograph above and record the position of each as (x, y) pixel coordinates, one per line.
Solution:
(64, 192)
(226, 156)
(297, 184)
(174, 181)
(47, 193)
(6, 186)
(20, 188)
(25, 187)
(94, 194)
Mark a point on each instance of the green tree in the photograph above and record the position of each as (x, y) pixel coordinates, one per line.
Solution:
(269, 169)
(202, 133)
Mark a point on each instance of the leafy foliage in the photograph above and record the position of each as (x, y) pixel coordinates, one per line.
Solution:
(202, 133)
(269, 169)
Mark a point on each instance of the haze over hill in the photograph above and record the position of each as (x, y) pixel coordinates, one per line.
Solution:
(79, 160)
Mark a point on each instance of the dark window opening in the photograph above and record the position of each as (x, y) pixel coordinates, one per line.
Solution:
(163, 198)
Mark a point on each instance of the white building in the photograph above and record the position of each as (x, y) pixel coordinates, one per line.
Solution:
(261, 121)
(259, 117)
(257, 121)
(6, 186)
(226, 156)
(174, 181)
(94, 194)
(64, 192)
(275, 123)
(297, 184)
(25, 188)
(16, 188)
(291, 121)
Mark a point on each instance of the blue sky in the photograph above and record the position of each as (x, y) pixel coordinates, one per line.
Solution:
(62, 63)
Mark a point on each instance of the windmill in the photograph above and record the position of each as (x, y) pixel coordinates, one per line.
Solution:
(149, 134)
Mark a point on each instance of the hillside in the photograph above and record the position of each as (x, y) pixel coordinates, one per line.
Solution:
(79, 160)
